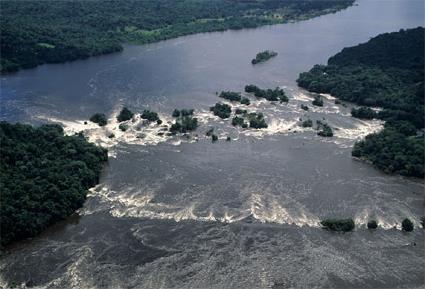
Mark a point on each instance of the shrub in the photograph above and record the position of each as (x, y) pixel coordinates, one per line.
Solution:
(221, 110)
(256, 120)
(304, 107)
(318, 101)
(339, 225)
(238, 121)
(125, 115)
(372, 224)
(214, 138)
(307, 123)
(240, 111)
(363, 113)
(407, 225)
(326, 131)
(123, 127)
(230, 95)
(149, 115)
(99, 118)
(245, 101)
(176, 113)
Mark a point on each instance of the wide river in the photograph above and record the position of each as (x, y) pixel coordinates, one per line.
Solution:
(183, 212)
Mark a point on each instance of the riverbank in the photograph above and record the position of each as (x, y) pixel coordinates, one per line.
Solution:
(34, 32)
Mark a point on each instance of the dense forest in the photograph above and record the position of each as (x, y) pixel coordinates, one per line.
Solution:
(36, 32)
(44, 177)
(386, 72)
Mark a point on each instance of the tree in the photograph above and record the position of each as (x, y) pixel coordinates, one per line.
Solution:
(221, 110)
(407, 225)
(342, 225)
(372, 224)
(125, 115)
(44, 177)
(150, 115)
(99, 118)
(317, 101)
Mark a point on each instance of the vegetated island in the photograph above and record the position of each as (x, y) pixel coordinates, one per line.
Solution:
(276, 94)
(184, 121)
(44, 177)
(263, 56)
(234, 96)
(37, 32)
(385, 72)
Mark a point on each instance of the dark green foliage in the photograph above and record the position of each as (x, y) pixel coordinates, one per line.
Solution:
(245, 101)
(423, 222)
(125, 114)
(230, 95)
(187, 112)
(209, 132)
(340, 225)
(150, 115)
(304, 107)
(186, 122)
(407, 225)
(221, 110)
(276, 94)
(36, 32)
(238, 121)
(263, 56)
(387, 71)
(326, 131)
(256, 120)
(372, 224)
(228, 138)
(240, 111)
(363, 113)
(176, 127)
(214, 138)
(182, 112)
(99, 118)
(393, 152)
(44, 177)
(307, 123)
(123, 127)
(176, 113)
(159, 122)
(317, 101)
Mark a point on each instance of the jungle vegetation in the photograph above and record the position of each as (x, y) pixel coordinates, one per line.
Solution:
(44, 177)
(263, 56)
(387, 72)
(37, 32)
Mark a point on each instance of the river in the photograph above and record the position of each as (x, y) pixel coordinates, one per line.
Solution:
(183, 212)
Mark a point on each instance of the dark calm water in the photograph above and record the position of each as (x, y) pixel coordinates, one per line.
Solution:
(182, 212)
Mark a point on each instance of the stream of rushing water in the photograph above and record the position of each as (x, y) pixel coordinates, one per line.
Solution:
(177, 212)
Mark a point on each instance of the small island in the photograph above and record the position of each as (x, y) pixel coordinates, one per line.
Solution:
(221, 110)
(263, 56)
(338, 225)
(150, 116)
(234, 96)
(276, 94)
(326, 130)
(99, 118)
(185, 121)
(125, 114)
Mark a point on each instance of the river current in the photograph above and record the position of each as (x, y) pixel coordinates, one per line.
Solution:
(183, 212)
